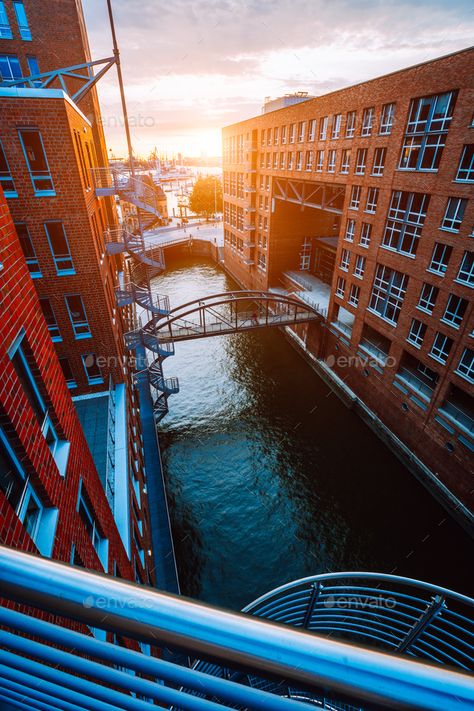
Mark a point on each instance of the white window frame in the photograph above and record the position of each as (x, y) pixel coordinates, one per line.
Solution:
(378, 164)
(350, 230)
(336, 126)
(350, 124)
(440, 266)
(466, 370)
(354, 295)
(359, 267)
(465, 174)
(454, 214)
(367, 121)
(416, 333)
(466, 270)
(340, 287)
(332, 161)
(345, 260)
(365, 234)
(386, 119)
(441, 347)
(323, 128)
(354, 202)
(372, 200)
(361, 161)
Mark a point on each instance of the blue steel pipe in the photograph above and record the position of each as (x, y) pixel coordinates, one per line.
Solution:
(232, 639)
(33, 699)
(151, 666)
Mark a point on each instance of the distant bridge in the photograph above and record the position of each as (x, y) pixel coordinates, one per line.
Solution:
(230, 312)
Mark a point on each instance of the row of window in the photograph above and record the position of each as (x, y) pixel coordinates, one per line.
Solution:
(10, 68)
(58, 243)
(77, 315)
(21, 19)
(92, 369)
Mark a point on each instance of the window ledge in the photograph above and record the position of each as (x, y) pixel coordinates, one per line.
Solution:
(464, 283)
(464, 377)
(397, 251)
(393, 324)
(440, 274)
(83, 336)
(437, 359)
(449, 323)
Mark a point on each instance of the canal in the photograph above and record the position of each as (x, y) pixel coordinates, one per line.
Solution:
(270, 478)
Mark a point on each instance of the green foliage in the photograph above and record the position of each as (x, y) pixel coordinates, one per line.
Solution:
(206, 197)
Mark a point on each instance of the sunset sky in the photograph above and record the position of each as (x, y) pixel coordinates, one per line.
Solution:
(193, 66)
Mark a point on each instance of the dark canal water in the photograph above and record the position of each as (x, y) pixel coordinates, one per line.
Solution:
(270, 478)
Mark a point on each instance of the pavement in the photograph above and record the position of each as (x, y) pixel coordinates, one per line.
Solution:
(197, 229)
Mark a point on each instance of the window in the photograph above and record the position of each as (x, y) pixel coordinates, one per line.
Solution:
(6, 179)
(341, 287)
(466, 165)
(388, 292)
(354, 295)
(440, 258)
(283, 135)
(331, 161)
(50, 319)
(292, 132)
(5, 29)
(275, 136)
(428, 296)
(77, 314)
(350, 230)
(34, 69)
(91, 366)
(466, 270)
(372, 200)
(416, 333)
(455, 310)
(86, 513)
(269, 137)
(36, 161)
(361, 160)
(22, 20)
(350, 124)
(323, 128)
(405, 220)
(290, 161)
(28, 250)
(59, 248)
(262, 138)
(312, 130)
(10, 68)
(441, 347)
(466, 365)
(345, 259)
(454, 214)
(299, 160)
(386, 118)
(355, 197)
(425, 135)
(282, 161)
(262, 261)
(365, 233)
(275, 161)
(301, 131)
(309, 160)
(336, 126)
(67, 372)
(319, 161)
(345, 160)
(367, 122)
(379, 161)
(359, 266)
(269, 160)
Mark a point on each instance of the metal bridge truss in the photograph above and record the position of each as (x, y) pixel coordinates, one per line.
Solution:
(308, 194)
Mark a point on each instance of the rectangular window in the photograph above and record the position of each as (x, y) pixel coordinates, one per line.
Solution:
(367, 121)
(275, 161)
(425, 135)
(269, 137)
(299, 160)
(67, 372)
(466, 270)
(365, 233)
(341, 287)
(405, 220)
(331, 161)
(6, 178)
(350, 230)
(283, 135)
(292, 132)
(91, 366)
(37, 161)
(428, 296)
(336, 126)
(275, 136)
(466, 365)
(465, 172)
(5, 29)
(350, 124)
(59, 248)
(312, 130)
(372, 200)
(345, 259)
(388, 292)
(262, 137)
(386, 119)
(78, 316)
(441, 347)
(354, 295)
(262, 261)
(86, 513)
(282, 161)
(454, 214)
(290, 161)
(269, 161)
(22, 20)
(455, 310)
(416, 333)
(10, 68)
(355, 197)
(323, 128)
(379, 161)
(345, 160)
(34, 69)
(359, 266)
(361, 160)
(319, 161)
(50, 319)
(301, 131)
(309, 161)
(440, 258)
(28, 250)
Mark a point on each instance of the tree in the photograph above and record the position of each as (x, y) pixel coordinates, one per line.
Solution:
(206, 197)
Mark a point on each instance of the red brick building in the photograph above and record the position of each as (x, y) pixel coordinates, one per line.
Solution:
(360, 202)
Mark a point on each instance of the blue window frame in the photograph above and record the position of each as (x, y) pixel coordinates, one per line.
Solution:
(28, 250)
(78, 316)
(10, 68)
(37, 162)
(34, 69)
(92, 368)
(50, 319)
(22, 20)
(86, 513)
(59, 246)
(5, 29)
(67, 372)
(6, 179)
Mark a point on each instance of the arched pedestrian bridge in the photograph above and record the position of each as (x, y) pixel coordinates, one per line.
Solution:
(230, 312)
